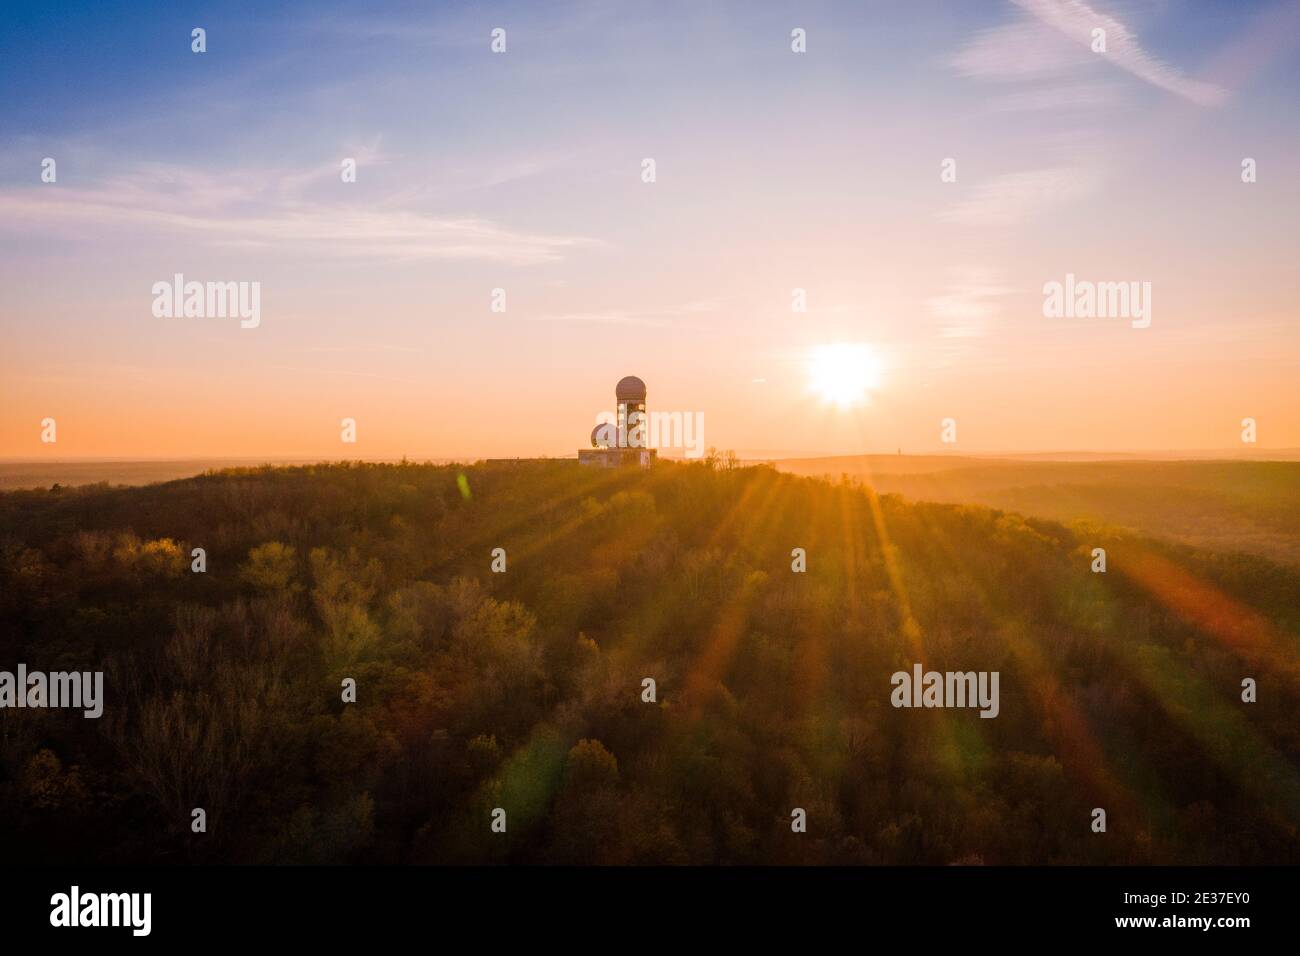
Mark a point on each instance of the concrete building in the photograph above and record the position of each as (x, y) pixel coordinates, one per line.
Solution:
(624, 441)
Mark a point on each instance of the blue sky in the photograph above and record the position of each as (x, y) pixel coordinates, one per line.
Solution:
(521, 171)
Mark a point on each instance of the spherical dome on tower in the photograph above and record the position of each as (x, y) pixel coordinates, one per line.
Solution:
(630, 389)
(604, 435)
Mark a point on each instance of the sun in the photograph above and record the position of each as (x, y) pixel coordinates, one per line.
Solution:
(843, 374)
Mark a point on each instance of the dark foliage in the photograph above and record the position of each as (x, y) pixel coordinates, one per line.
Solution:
(523, 690)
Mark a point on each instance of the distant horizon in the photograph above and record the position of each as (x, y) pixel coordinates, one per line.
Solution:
(750, 455)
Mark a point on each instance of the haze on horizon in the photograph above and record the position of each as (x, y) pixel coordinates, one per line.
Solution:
(775, 171)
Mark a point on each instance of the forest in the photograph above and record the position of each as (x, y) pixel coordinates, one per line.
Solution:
(499, 622)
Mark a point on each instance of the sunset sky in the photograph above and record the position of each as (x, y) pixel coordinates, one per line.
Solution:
(522, 171)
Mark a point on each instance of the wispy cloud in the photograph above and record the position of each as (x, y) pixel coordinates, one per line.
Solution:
(266, 211)
(611, 317)
(1057, 43)
(972, 301)
(1021, 50)
(358, 349)
(656, 318)
(1016, 197)
(1077, 20)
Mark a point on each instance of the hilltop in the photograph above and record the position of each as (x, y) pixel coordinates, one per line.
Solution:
(525, 690)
